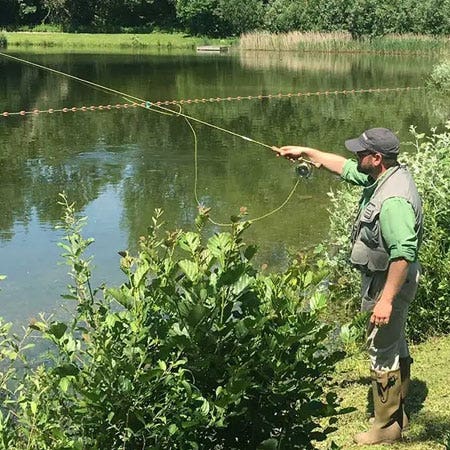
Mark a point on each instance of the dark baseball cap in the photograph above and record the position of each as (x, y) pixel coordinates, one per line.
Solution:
(378, 140)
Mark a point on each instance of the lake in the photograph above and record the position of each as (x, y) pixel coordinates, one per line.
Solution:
(118, 165)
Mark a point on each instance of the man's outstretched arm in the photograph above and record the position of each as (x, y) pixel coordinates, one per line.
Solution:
(332, 162)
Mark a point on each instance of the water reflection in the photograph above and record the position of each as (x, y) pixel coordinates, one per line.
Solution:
(119, 165)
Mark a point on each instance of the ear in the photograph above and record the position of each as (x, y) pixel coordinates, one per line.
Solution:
(377, 159)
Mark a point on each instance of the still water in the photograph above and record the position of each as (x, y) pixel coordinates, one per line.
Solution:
(119, 165)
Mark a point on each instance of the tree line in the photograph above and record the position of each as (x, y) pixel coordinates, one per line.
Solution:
(232, 17)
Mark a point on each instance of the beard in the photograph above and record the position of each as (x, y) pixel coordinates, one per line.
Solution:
(365, 170)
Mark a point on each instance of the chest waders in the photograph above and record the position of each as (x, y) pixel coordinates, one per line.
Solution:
(390, 370)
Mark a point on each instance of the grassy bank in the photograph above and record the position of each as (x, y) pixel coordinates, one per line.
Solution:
(427, 402)
(293, 41)
(108, 41)
(342, 42)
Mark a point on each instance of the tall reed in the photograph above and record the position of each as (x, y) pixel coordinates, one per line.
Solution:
(341, 41)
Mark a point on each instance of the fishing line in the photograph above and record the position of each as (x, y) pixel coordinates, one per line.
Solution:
(73, 77)
(167, 111)
(146, 104)
(256, 219)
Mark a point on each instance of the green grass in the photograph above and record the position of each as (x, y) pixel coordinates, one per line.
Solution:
(85, 41)
(428, 400)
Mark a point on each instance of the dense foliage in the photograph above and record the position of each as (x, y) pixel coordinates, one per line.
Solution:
(232, 17)
(197, 349)
(440, 76)
(430, 312)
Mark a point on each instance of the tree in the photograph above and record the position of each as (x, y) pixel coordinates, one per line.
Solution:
(201, 17)
(242, 16)
(287, 15)
(9, 12)
(55, 11)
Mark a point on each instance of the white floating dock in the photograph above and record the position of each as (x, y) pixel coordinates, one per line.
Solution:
(212, 48)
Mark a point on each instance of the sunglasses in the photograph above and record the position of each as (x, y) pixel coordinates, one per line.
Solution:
(365, 153)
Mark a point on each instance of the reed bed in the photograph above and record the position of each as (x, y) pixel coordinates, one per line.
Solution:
(342, 42)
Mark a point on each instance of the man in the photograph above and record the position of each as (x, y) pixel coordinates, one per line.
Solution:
(385, 241)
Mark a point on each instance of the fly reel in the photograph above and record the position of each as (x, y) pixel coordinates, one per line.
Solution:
(304, 170)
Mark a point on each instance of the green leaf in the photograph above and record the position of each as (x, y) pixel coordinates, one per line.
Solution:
(242, 284)
(190, 268)
(190, 241)
(64, 384)
(250, 251)
(219, 244)
(33, 407)
(187, 387)
(140, 273)
(307, 279)
(120, 296)
(177, 331)
(66, 370)
(57, 329)
(318, 302)
(204, 409)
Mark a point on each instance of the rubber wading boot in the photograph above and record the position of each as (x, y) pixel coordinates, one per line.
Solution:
(387, 400)
(405, 375)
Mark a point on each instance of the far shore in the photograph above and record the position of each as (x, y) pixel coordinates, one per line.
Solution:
(338, 42)
(103, 41)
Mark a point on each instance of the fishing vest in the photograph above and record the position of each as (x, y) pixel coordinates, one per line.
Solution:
(369, 252)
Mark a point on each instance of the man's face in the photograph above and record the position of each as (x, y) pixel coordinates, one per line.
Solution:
(365, 162)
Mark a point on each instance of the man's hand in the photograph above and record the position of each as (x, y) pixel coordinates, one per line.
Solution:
(333, 163)
(291, 152)
(397, 273)
(381, 312)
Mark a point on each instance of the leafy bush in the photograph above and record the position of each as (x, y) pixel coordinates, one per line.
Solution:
(440, 76)
(430, 312)
(201, 17)
(284, 15)
(220, 17)
(242, 16)
(196, 350)
(430, 166)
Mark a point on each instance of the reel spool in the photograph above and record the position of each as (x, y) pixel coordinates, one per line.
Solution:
(303, 170)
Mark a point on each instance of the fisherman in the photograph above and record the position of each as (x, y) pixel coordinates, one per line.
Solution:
(386, 236)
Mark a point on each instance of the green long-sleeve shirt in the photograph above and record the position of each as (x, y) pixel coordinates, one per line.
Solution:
(397, 218)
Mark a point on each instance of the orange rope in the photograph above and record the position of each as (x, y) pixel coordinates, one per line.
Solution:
(204, 100)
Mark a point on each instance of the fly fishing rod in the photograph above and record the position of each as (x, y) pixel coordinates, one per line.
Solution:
(303, 170)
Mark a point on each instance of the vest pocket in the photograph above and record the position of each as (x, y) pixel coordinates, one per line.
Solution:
(369, 233)
(369, 259)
